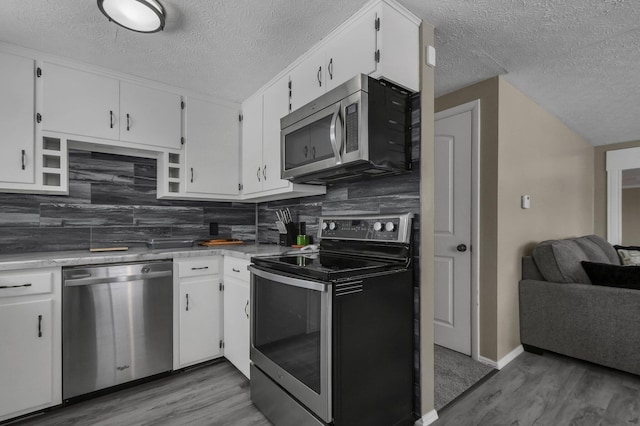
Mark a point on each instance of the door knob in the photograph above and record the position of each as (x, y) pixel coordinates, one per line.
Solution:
(461, 248)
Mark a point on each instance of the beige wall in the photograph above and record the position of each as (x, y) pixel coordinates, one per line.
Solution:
(600, 184)
(523, 150)
(631, 216)
(539, 156)
(427, 75)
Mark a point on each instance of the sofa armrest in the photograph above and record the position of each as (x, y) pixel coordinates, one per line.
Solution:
(595, 323)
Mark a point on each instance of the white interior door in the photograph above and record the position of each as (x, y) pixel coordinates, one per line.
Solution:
(452, 320)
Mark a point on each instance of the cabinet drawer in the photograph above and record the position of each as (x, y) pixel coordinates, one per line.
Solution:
(206, 265)
(25, 283)
(237, 268)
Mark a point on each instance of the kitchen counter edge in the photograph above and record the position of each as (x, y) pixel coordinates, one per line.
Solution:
(82, 257)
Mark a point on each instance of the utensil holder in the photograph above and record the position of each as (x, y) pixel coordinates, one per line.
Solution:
(289, 238)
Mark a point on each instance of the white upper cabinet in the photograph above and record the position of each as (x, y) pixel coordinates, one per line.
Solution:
(149, 116)
(353, 50)
(79, 103)
(276, 106)
(252, 145)
(82, 103)
(308, 80)
(212, 148)
(381, 40)
(17, 122)
(261, 147)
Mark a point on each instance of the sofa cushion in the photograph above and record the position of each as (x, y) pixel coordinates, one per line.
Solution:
(610, 275)
(559, 261)
(598, 249)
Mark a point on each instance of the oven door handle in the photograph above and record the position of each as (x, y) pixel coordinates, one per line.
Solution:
(284, 279)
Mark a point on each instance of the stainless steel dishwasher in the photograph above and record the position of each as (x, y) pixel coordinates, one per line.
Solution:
(117, 325)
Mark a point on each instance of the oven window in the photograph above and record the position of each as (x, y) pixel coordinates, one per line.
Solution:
(287, 325)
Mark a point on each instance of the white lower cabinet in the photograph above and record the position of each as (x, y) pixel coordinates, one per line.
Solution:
(197, 310)
(237, 312)
(30, 349)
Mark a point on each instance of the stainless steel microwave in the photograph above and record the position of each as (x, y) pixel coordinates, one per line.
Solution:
(359, 129)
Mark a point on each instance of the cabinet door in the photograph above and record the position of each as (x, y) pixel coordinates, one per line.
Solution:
(149, 116)
(352, 51)
(17, 123)
(199, 319)
(276, 106)
(212, 148)
(252, 145)
(26, 356)
(236, 323)
(79, 103)
(307, 80)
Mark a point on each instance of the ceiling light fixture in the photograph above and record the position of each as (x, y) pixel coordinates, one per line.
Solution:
(143, 16)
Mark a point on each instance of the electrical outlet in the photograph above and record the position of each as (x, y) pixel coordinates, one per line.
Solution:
(213, 228)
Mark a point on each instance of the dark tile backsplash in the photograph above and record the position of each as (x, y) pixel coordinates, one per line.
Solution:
(112, 202)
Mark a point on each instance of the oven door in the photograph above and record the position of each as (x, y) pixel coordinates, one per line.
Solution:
(291, 336)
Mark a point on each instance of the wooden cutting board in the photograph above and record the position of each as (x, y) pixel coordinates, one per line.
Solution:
(211, 243)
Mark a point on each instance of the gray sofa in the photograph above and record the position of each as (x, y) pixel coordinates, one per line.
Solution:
(561, 311)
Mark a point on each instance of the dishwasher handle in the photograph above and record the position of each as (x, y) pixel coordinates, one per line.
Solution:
(71, 282)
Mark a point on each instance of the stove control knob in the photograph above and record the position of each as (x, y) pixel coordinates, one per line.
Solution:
(377, 226)
(332, 226)
(324, 226)
(389, 226)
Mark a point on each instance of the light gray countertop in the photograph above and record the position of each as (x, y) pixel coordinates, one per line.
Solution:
(84, 257)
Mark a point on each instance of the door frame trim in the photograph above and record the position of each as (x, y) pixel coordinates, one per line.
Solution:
(474, 108)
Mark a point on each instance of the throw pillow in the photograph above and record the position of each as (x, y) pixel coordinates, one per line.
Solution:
(613, 275)
(629, 255)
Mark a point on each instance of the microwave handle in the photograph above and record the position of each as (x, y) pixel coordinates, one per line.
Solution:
(336, 142)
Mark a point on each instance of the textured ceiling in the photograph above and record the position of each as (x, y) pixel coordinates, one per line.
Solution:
(579, 59)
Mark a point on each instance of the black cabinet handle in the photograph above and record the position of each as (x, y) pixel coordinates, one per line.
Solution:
(187, 301)
(128, 123)
(202, 267)
(319, 76)
(192, 175)
(24, 153)
(258, 174)
(313, 152)
(330, 69)
(111, 119)
(39, 325)
(15, 286)
(264, 172)
(461, 248)
(246, 312)
(306, 151)
(235, 270)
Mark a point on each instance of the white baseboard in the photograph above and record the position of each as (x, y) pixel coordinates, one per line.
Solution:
(428, 418)
(502, 362)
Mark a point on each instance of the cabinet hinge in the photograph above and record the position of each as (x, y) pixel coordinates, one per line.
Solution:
(221, 287)
(38, 72)
(240, 187)
(240, 117)
(377, 55)
(182, 140)
(38, 117)
(182, 105)
(221, 344)
(377, 24)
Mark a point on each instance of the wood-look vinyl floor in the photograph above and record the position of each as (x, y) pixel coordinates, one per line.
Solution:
(548, 390)
(211, 395)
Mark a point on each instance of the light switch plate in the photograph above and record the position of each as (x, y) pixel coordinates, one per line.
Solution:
(525, 201)
(431, 56)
